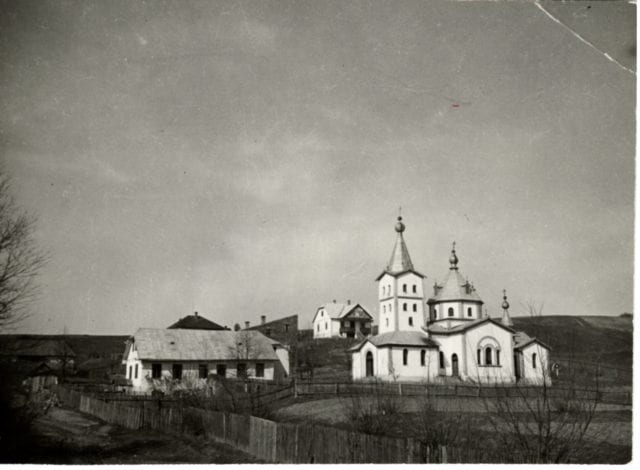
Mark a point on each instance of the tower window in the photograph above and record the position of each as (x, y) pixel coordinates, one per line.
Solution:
(469, 312)
(405, 357)
(384, 309)
(404, 288)
(410, 321)
(415, 289)
(415, 307)
(423, 357)
(450, 311)
(404, 307)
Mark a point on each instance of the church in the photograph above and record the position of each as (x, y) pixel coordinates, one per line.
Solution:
(444, 338)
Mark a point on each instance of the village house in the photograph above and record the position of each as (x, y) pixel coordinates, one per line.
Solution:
(153, 356)
(444, 338)
(344, 320)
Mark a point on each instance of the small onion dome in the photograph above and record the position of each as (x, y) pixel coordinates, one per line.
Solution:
(453, 259)
(505, 304)
(399, 225)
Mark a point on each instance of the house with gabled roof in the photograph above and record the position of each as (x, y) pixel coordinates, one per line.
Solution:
(337, 319)
(196, 322)
(445, 338)
(154, 355)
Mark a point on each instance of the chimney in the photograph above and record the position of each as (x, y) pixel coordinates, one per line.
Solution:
(263, 319)
(349, 302)
(195, 313)
(246, 324)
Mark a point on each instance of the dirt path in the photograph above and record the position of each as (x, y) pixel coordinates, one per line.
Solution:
(70, 437)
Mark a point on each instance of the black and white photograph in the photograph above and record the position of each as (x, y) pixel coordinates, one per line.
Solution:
(317, 231)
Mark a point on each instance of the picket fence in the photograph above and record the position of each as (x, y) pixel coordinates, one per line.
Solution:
(263, 439)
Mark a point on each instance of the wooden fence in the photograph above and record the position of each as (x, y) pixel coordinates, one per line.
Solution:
(263, 439)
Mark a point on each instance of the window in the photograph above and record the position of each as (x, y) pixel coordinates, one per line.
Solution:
(497, 357)
(533, 360)
(221, 370)
(136, 371)
(404, 288)
(259, 370)
(384, 309)
(390, 309)
(326, 326)
(241, 370)
(177, 371)
(405, 357)
(487, 357)
(423, 357)
(415, 307)
(347, 324)
(469, 312)
(286, 327)
(450, 311)
(318, 327)
(441, 360)
(387, 321)
(268, 332)
(415, 289)
(203, 371)
(404, 307)
(130, 372)
(479, 356)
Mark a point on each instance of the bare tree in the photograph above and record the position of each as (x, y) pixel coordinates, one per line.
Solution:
(20, 258)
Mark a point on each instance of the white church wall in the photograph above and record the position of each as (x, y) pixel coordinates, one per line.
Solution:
(485, 335)
(536, 375)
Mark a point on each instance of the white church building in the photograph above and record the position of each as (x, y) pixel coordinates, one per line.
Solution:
(443, 338)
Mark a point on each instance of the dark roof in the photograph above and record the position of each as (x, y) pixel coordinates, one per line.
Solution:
(438, 330)
(529, 341)
(398, 338)
(196, 322)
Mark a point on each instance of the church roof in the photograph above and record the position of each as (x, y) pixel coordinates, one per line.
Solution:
(201, 345)
(441, 330)
(400, 261)
(195, 322)
(521, 340)
(454, 286)
(398, 338)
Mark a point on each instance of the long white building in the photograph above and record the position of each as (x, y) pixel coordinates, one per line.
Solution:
(443, 336)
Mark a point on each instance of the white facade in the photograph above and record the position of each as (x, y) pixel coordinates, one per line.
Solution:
(534, 367)
(401, 303)
(324, 326)
(341, 320)
(389, 364)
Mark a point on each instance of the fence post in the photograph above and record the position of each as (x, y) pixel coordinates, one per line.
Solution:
(443, 452)
(400, 389)
(295, 388)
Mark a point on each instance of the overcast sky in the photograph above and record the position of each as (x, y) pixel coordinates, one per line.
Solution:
(249, 158)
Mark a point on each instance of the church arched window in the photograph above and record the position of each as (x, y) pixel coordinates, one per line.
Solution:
(469, 312)
(534, 356)
(479, 356)
(404, 288)
(423, 357)
(441, 360)
(415, 307)
(497, 357)
(415, 289)
(488, 356)
(450, 311)
(405, 356)
(404, 307)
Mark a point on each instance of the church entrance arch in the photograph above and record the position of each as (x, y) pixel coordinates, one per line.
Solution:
(454, 365)
(369, 365)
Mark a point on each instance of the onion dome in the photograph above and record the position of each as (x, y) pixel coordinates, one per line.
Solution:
(453, 259)
(400, 226)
